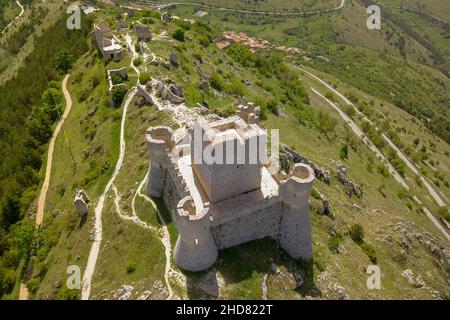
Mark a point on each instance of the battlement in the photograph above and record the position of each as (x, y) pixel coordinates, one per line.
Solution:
(227, 157)
(249, 112)
(162, 136)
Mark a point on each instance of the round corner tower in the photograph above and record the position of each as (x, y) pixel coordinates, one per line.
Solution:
(195, 249)
(295, 228)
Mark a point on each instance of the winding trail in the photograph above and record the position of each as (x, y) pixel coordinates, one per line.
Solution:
(372, 147)
(23, 291)
(95, 249)
(162, 5)
(130, 46)
(358, 131)
(22, 10)
(51, 147)
(264, 286)
(165, 236)
(165, 239)
(400, 154)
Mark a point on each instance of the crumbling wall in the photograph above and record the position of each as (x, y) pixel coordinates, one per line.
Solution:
(175, 187)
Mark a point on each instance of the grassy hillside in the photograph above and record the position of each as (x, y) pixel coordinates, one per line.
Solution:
(29, 107)
(270, 5)
(397, 233)
(363, 57)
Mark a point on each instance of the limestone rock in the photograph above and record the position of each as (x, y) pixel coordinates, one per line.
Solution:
(173, 59)
(124, 293)
(81, 201)
(416, 282)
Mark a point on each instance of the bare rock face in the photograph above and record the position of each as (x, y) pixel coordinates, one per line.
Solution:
(413, 280)
(325, 210)
(173, 59)
(166, 17)
(352, 188)
(81, 201)
(124, 293)
(204, 84)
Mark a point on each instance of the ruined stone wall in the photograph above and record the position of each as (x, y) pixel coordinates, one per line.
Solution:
(256, 225)
(175, 188)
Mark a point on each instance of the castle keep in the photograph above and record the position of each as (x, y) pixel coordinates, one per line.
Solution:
(232, 200)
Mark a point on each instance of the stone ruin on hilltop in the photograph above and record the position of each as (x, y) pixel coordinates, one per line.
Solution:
(217, 206)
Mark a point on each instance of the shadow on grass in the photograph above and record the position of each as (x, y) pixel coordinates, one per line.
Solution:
(82, 221)
(240, 263)
(163, 210)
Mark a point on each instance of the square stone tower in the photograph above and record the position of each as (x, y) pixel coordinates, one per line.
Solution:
(227, 157)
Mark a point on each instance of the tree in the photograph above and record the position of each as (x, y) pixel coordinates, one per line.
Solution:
(10, 212)
(23, 236)
(7, 280)
(51, 99)
(64, 61)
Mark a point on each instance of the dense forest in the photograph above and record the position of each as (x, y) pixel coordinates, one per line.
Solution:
(3, 5)
(29, 105)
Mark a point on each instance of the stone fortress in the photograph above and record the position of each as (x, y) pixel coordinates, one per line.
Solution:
(216, 206)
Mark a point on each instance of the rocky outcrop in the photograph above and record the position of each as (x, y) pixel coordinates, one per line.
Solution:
(166, 17)
(413, 280)
(291, 156)
(204, 84)
(173, 59)
(166, 90)
(81, 203)
(341, 175)
(142, 32)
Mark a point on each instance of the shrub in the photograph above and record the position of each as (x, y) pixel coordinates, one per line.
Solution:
(145, 77)
(217, 82)
(443, 212)
(179, 34)
(369, 250)
(203, 40)
(116, 78)
(315, 194)
(272, 106)
(344, 152)
(7, 280)
(192, 96)
(131, 267)
(333, 243)
(329, 95)
(381, 168)
(118, 93)
(236, 88)
(137, 62)
(357, 233)
(68, 294)
(33, 285)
